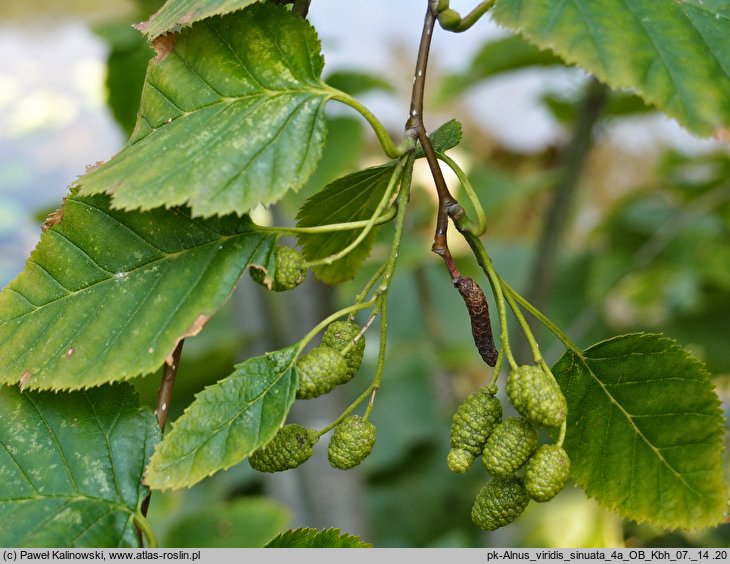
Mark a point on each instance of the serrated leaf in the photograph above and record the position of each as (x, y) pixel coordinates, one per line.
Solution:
(176, 14)
(227, 421)
(676, 55)
(494, 58)
(354, 197)
(248, 522)
(232, 115)
(71, 466)
(106, 295)
(645, 432)
(445, 137)
(312, 538)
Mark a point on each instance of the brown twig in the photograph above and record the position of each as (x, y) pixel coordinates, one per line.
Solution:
(164, 395)
(301, 7)
(162, 410)
(447, 204)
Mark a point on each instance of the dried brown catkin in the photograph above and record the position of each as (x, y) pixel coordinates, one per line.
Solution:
(481, 326)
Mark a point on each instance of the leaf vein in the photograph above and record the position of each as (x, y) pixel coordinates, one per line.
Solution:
(244, 168)
(229, 421)
(108, 443)
(638, 431)
(49, 275)
(54, 438)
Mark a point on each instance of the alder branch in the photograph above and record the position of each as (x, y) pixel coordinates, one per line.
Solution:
(447, 204)
(301, 7)
(164, 395)
(162, 408)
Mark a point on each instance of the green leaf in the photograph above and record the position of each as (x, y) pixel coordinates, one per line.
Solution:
(676, 55)
(108, 294)
(248, 522)
(645, 432)
(71, 466)
(176, 14)
(354, 197)
(342, 153)
(227, 421)
(497, 57)
(312, 538)
(445, 137)
(232, 115)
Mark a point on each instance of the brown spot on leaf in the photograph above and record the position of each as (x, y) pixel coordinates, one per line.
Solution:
(193, 330)
(723, 135)
(54, 218)
(92, 167)
(164, 45)
(24, 379)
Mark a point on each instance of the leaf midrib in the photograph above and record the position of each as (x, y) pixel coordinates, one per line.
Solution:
(166, 256)
(228, 422)
(75, 496)
(325, 93)
(637, 431)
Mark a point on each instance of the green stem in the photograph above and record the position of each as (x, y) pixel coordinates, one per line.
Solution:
(525, 328)
(497, 369)
(402, 203)
(141, 522)
(450, 20)
(473, 17)
(386, 142)
(407, 164)
(397, 172)
(561, 437)
(554, 329)
(353, 342)
(383, 341)
(330, 227)
(381, 355)
(381, 295)
(362, 397)
(329, 319)
(375, 384)
(369, 286)
(494, 280)
(469, 189)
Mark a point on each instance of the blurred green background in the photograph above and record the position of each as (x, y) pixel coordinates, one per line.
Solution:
(607, 215)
